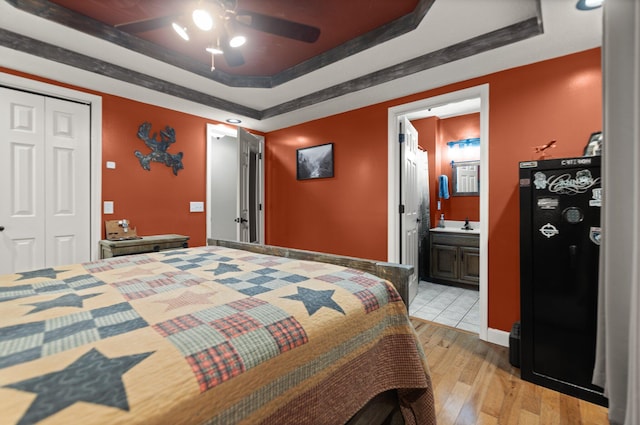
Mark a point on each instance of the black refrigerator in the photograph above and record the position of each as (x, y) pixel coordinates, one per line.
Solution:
(560, 202)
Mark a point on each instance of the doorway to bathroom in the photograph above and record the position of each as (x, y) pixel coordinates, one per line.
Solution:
(395, 171)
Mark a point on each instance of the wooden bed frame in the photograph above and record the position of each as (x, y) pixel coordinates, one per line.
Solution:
(384, 408)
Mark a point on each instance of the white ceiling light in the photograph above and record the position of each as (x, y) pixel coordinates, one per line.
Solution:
(202, 19)
(214, 50)
(181, 30)
(237, 40)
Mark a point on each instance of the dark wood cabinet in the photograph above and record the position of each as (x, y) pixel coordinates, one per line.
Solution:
(455, 258)
(470, 264)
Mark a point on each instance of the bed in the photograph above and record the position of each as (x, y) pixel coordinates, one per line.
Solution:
(229, 333)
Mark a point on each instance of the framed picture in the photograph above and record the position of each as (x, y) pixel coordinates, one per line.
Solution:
(315, 162)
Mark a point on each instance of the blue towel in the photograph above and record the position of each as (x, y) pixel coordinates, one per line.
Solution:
(443, 186)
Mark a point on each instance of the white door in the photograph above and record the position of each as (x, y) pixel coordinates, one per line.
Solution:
(67, 182)
(222, 164)
(249, 187)
(410, 214)
(44, 182)
(235, 187)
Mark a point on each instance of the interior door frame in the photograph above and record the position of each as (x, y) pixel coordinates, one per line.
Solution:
(219, 130)
(393, 199)
(95, 105)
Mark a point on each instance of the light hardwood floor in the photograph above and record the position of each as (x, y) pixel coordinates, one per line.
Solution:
(475, 384)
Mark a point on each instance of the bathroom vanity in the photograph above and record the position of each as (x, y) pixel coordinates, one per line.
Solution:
(455, 254)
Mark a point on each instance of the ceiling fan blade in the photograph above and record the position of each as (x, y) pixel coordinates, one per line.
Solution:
(278, 26)
(147, 24)
(232, 56)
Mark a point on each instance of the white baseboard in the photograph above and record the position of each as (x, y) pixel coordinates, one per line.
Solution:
(496, 336)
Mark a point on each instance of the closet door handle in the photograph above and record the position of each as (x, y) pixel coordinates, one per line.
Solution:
(1, 228)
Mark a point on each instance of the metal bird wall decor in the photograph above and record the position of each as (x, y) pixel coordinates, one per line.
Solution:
(159, 148)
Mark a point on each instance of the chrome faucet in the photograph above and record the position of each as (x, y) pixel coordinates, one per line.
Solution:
(467, 226)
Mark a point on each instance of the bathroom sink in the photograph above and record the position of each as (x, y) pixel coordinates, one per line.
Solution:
(454, 226)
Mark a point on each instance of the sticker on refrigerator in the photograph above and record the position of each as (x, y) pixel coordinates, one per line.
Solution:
(597, 198)
(595, 234)
(549, 230)
(540, 180)
(548, 203)
(565, 185)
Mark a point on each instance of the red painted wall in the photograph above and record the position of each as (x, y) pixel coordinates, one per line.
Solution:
(346, 214)
(558, 99)
(155, 201)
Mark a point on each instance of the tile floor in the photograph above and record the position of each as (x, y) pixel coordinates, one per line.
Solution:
(447, 305)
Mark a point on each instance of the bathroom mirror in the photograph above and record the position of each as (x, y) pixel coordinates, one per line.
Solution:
(465, 178)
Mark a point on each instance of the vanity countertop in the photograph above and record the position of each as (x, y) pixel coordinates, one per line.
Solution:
(453, 226)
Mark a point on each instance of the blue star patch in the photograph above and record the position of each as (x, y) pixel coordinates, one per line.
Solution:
(224, 268)
(313, 300)
(49, 273)
(69, 300)
(79, 381)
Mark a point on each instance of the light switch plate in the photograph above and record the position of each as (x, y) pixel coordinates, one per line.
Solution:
(111, 165)
(196, 206)
(108, 207)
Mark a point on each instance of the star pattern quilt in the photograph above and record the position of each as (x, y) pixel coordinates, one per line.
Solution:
(207, 335)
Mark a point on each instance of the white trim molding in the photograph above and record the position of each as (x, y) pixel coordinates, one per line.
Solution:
(497, 336)
(393, 182)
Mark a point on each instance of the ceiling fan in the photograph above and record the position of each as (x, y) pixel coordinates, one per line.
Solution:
(225, 21)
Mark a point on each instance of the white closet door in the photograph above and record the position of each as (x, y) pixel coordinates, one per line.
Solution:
(44, 182)
(22, 211)
(67, 184)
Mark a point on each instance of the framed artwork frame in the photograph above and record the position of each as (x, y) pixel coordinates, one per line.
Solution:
(314, 162)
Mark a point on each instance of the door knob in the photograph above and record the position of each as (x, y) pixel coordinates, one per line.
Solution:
(1, 228)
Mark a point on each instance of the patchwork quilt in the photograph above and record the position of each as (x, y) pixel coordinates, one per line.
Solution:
(207, 335)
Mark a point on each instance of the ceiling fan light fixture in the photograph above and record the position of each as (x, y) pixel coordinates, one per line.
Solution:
(214, 50)
(202, 19)
(237, 40)
(180, 30)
